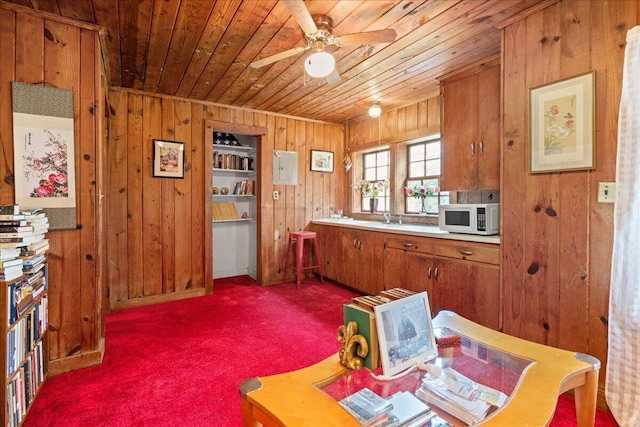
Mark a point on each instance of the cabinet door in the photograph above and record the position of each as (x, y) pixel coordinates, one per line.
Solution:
(488, 151)
(459, 133)
(408, 270)
(468, 288)
(361, 263)
(329, 248)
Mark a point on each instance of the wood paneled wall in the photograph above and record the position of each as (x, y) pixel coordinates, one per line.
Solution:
(398, 125)
(42, 49)
(157, 226)
(556, 238)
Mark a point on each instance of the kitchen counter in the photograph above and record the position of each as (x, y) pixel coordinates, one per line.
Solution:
(407, 229)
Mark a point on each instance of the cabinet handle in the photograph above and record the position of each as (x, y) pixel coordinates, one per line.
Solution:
(436, 273)
(429, 273)
(407, 245)
(481, 147)
(473, 148)
(465, 252)
(355, 243)
(359, 244)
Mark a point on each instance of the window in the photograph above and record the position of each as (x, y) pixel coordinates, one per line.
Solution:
(423, 168)
(376, 167)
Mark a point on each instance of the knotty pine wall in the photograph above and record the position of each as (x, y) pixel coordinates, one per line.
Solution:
(45, 49)
(158, 226)
(557, 239)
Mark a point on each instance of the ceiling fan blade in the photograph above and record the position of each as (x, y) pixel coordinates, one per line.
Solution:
(301, 15)
(334, 77)
(367, 37)
(278, 56)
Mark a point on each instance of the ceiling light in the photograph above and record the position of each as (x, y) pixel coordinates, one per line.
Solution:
(375, 110)
(319, 64)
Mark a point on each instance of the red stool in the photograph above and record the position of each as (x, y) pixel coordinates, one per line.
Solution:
(302, 259)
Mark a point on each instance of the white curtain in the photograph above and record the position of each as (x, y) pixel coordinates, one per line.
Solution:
(622, 388)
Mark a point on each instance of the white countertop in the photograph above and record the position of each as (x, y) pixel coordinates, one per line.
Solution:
(407, 229)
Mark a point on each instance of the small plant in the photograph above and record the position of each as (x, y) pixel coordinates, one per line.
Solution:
(371, 189)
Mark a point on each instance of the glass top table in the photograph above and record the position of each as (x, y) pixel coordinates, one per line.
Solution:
(531, 375)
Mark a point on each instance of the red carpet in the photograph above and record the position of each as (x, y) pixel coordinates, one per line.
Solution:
(181, 363)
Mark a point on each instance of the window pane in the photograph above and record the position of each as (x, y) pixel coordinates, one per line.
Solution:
(416, 152)
(416, 169)
(369, 174)
(433, 167)
(433, 150)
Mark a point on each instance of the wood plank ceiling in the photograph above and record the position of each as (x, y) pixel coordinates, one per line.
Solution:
(201, 49)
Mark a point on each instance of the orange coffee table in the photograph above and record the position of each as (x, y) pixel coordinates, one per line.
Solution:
(531, 374)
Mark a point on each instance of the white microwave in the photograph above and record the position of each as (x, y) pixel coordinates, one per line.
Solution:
(470, 219)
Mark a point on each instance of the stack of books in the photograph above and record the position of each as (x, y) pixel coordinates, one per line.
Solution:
(22, 242)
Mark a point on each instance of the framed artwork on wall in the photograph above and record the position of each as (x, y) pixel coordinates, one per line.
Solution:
(321, 161)
(168, 159)
(561, 124)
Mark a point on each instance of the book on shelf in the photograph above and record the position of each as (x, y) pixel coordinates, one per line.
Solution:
(396, 293)
(17, 217)
(9, 209)
(10, 273)
(9, 253)
(10, 262)
(16, 228)
(13, 223)
(367, 407)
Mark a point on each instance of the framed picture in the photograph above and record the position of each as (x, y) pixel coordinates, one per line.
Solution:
(561, 125)
(168, 159)
(321, 161)
(405, 333)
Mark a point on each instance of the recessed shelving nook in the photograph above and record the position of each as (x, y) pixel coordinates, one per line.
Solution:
(233, 196)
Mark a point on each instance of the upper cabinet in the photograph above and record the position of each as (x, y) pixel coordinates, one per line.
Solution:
(471, 129)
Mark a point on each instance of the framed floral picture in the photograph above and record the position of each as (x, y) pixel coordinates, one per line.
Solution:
(168, 159)
(561, 125)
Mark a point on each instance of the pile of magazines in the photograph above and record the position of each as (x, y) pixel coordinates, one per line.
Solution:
(459, 396)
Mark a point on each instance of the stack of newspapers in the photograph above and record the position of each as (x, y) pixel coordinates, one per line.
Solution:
(459, 396)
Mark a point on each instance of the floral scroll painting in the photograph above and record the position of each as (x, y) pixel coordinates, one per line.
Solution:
(562, 125)
(44, 152)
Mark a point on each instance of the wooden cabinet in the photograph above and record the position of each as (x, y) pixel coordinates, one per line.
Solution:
(408, 263)
(471, 130)
(459, 276)
(360, 265)
(329, 251)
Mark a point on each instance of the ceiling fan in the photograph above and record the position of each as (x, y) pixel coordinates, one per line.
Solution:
(318, 33)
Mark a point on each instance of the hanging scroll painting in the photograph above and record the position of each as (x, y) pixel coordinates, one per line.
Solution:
(43, 143)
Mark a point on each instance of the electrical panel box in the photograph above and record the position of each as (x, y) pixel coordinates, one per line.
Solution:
(285, 167)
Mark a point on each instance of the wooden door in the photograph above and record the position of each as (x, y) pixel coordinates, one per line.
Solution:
(361, 263)
(408, 270)
(468, 288)
(488, 150)
(459, 134)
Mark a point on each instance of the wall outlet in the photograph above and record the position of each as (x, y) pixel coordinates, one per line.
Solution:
(606, 192)
(276, 195)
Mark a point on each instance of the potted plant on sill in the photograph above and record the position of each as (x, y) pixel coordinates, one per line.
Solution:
(421, 192)
(372, 190)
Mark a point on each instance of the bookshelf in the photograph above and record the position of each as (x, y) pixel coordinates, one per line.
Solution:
(234, 189)
(24, 302)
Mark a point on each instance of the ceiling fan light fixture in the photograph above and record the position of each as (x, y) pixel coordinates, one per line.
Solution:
(319, 64)
(375, 110)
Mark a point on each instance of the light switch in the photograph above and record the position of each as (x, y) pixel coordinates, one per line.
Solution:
(606, 192)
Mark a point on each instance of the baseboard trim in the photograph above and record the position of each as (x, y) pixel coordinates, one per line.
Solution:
(78, 361)
(157, 299)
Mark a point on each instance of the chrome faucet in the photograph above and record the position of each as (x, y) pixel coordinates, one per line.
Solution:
(387, 217)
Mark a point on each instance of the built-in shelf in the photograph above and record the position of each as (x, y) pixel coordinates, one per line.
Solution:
(233, 148)
(242, 171)
(222, 196)
(234, 220)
